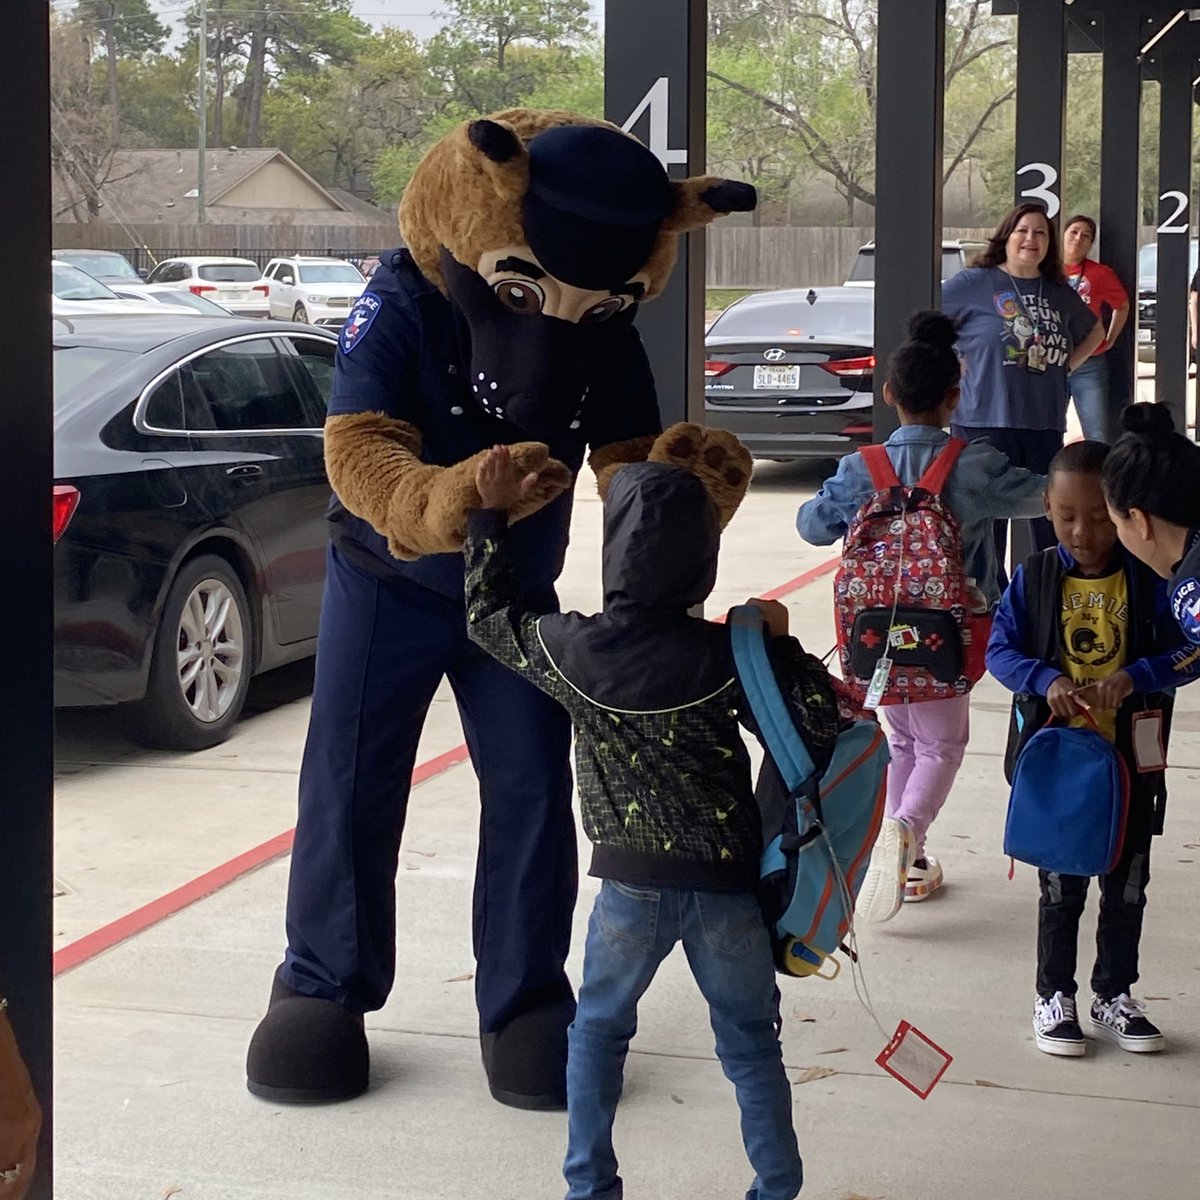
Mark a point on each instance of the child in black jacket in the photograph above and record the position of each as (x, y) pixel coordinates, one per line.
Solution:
(665, 787)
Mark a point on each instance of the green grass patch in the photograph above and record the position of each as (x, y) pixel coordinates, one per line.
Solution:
(722, 298)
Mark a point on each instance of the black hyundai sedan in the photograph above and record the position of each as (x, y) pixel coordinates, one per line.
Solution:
(189, 514)
(791, 372)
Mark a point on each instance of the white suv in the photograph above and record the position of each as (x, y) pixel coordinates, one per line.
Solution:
(234, 283)
(315, 291)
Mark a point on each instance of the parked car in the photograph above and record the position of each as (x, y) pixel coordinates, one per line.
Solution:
(955, 256)
(317, 291)
(791, 372)
(1147, 329)
(234, 283)
(105, 265)
(75, 294)
(189, 515)
(172, 297)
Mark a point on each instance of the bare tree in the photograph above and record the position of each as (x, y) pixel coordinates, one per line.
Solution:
(824, 85)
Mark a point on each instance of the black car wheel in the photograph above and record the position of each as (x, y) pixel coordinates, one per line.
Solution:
(202, 661)
(299, 313)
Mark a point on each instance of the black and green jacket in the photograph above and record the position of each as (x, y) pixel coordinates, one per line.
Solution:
(663, 774)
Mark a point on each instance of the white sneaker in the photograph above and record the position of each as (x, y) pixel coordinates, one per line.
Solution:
(1056, 1026)
(882, 890)
(1123, 1020)
(924, 878)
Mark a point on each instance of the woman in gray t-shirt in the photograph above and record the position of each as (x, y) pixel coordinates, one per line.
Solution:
(1022, 329)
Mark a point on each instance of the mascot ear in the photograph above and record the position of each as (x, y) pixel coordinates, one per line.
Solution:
(502, 157)
(703, 198)
(494, 140)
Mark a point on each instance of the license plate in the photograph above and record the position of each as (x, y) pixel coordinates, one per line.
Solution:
(778, 378)
(227, 295)
(1144, 335)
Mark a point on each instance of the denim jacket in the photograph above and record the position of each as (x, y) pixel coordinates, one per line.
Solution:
(984, 486)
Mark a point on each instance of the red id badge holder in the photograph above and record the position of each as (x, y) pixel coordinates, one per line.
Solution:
(914, 1060)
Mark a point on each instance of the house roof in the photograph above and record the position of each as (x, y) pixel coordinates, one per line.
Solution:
(145, 186)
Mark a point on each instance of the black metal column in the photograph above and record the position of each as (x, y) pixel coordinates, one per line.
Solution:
(1176, 61)
(910, 77)
(26, 591)
(1041, 102)
(1120, 206)
(655, 58)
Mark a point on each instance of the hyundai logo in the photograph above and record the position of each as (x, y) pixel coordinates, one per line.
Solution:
(775, 354)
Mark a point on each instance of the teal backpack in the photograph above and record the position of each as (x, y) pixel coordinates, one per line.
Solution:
(817, 843)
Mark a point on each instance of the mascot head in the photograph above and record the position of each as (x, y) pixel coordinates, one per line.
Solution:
(546, 230)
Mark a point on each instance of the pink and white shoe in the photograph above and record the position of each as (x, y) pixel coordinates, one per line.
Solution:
(882, 890)
(924, 879)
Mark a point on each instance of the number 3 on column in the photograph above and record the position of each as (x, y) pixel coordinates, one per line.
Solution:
(1042, 192)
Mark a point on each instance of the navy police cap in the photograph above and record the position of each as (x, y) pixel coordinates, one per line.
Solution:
(596, 201)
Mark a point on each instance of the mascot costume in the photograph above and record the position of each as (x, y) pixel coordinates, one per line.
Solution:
(531, 238)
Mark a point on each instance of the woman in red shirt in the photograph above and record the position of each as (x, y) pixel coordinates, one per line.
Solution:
(1101, 290)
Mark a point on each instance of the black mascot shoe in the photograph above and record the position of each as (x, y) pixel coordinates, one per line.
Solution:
(307, 1051)
(526, 1061)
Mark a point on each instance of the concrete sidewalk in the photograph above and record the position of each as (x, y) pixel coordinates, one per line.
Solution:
(152, 1034)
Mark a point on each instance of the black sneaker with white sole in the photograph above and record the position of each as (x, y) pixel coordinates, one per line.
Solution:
(1056, 1026)
(1124, 1020)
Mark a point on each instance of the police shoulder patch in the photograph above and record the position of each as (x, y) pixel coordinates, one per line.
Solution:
(1185, 606)
(362, 315)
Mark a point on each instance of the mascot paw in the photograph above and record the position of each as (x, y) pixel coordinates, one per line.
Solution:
(526, 1061)
(307, 1051)
(554, 477)
(714, 456)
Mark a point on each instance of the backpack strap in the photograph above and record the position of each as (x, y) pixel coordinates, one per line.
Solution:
(883, 474)
(938, 471)
(1043, 582)
(771, 713)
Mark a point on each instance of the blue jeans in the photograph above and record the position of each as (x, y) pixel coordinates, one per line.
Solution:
(1088, 385)
(725, 939)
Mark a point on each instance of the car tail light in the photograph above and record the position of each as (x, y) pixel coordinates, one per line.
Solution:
(198, 289)
(851, 367)
(263, 287)
(713, 369)
(66, 500)
(867, 429)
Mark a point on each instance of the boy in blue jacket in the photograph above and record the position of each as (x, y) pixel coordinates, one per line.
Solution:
(1084, 625)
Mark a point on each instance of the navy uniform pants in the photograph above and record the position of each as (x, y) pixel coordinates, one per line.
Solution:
(383, 648)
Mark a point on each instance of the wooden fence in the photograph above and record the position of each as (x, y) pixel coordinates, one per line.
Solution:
(737, 256)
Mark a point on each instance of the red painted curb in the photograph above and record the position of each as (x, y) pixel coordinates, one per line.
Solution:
(794, 585)
(123, 928)
(141, 919)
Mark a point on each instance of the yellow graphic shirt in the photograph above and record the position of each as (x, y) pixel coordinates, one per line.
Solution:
(1095, 634)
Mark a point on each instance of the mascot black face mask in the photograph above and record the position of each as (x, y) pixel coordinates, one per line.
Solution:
(528, 367)
(544, 315)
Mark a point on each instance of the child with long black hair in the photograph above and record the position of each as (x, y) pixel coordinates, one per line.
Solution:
(1152, 486)
(927, 739)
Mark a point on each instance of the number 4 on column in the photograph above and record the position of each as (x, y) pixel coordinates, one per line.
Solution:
(657, 100)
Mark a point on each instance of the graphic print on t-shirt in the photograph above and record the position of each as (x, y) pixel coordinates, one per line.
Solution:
(1020, 313)
(1095, 625)
(1078, 279)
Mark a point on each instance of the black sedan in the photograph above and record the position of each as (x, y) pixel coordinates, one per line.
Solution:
(791, 372)
(189, 514)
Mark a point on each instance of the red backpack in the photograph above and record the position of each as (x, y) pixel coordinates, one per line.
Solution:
(902, 588)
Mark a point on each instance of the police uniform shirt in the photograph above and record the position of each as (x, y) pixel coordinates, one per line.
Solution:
(1184, 590)
(402, 352)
